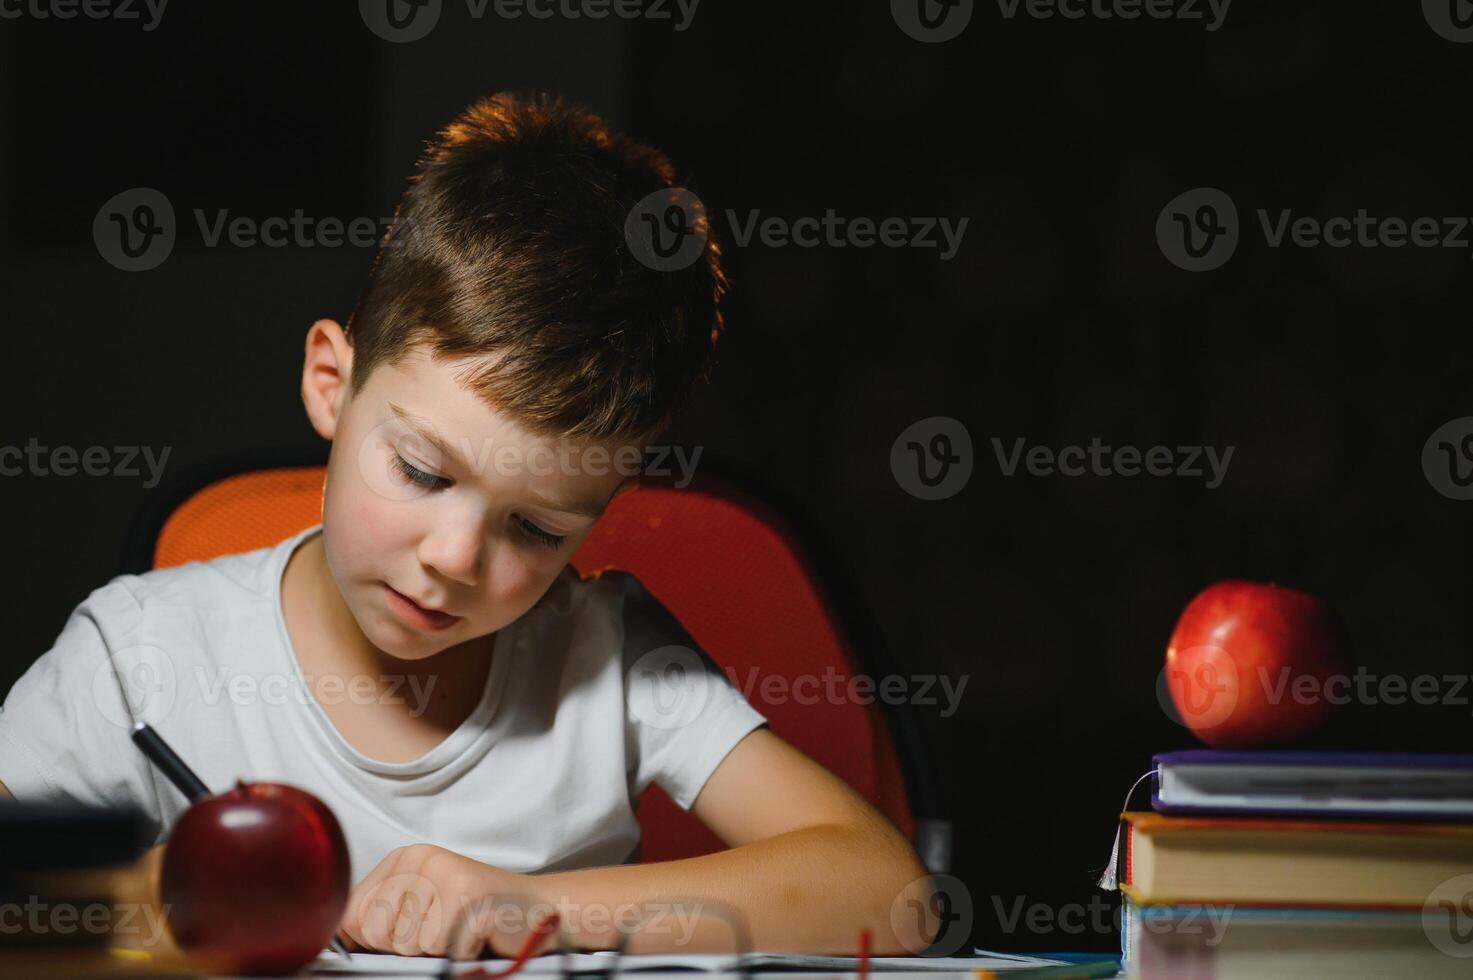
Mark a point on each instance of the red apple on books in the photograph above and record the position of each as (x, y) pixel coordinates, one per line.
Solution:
(1251, 664)
(255, 879)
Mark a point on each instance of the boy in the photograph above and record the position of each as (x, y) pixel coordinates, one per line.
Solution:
(504, 736)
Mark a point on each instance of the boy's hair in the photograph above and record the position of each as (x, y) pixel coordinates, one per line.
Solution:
(509, 243)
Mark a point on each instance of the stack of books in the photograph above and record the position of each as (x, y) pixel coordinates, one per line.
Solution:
(1273, 864)
(70, 905)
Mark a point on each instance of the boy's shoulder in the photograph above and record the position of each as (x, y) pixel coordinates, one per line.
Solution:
(224, 582)
(226, 578)
(644, 623)
(574, 592)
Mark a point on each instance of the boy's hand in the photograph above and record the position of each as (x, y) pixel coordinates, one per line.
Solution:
(418, 895)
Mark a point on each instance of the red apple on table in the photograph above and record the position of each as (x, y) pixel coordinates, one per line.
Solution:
(1248, 664)
(255, 879)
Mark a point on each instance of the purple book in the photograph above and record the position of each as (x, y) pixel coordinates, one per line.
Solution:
(1386, 785)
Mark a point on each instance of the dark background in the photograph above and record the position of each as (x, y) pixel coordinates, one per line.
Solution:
(1059, 321)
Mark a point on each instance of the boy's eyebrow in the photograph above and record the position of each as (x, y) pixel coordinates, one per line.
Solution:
(423, 429)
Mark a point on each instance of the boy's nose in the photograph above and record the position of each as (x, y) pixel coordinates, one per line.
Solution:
(457, 551)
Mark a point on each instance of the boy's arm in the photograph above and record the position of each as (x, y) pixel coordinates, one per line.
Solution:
(810, 864)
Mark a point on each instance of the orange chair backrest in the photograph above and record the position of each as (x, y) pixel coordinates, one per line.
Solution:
(720, 561)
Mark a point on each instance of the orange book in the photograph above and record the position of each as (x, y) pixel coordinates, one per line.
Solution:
(1173, 860)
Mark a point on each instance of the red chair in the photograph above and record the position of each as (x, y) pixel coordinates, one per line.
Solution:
(718, 557)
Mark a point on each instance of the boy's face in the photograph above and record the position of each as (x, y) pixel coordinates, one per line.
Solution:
(433, 497)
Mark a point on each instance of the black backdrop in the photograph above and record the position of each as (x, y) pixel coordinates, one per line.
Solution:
(1059, 320)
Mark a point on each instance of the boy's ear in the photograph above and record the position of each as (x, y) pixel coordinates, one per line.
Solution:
(326, 370)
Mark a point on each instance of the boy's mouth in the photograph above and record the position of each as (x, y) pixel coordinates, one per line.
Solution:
(414, 614)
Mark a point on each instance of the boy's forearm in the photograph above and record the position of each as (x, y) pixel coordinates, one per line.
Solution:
(809, 890)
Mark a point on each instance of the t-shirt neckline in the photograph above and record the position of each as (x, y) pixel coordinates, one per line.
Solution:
(452, 747)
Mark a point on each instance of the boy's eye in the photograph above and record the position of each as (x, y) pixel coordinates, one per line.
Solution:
(419, 477)
(540, 536)
(416, 475)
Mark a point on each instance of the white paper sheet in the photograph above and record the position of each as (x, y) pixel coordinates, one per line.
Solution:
(384, 964)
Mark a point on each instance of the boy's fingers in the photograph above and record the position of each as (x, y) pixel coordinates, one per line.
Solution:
(416, 907)
(381, 915)
(435, 928)
(362, 894)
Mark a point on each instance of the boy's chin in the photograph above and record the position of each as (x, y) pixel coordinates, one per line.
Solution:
(398, 641)
(401, 644)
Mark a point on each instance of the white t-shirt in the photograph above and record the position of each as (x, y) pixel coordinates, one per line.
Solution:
(593, 694)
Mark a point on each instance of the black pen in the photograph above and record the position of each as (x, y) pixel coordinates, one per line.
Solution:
(178, 773)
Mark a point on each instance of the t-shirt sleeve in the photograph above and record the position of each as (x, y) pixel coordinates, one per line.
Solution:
(683, 715)
(65, 726)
